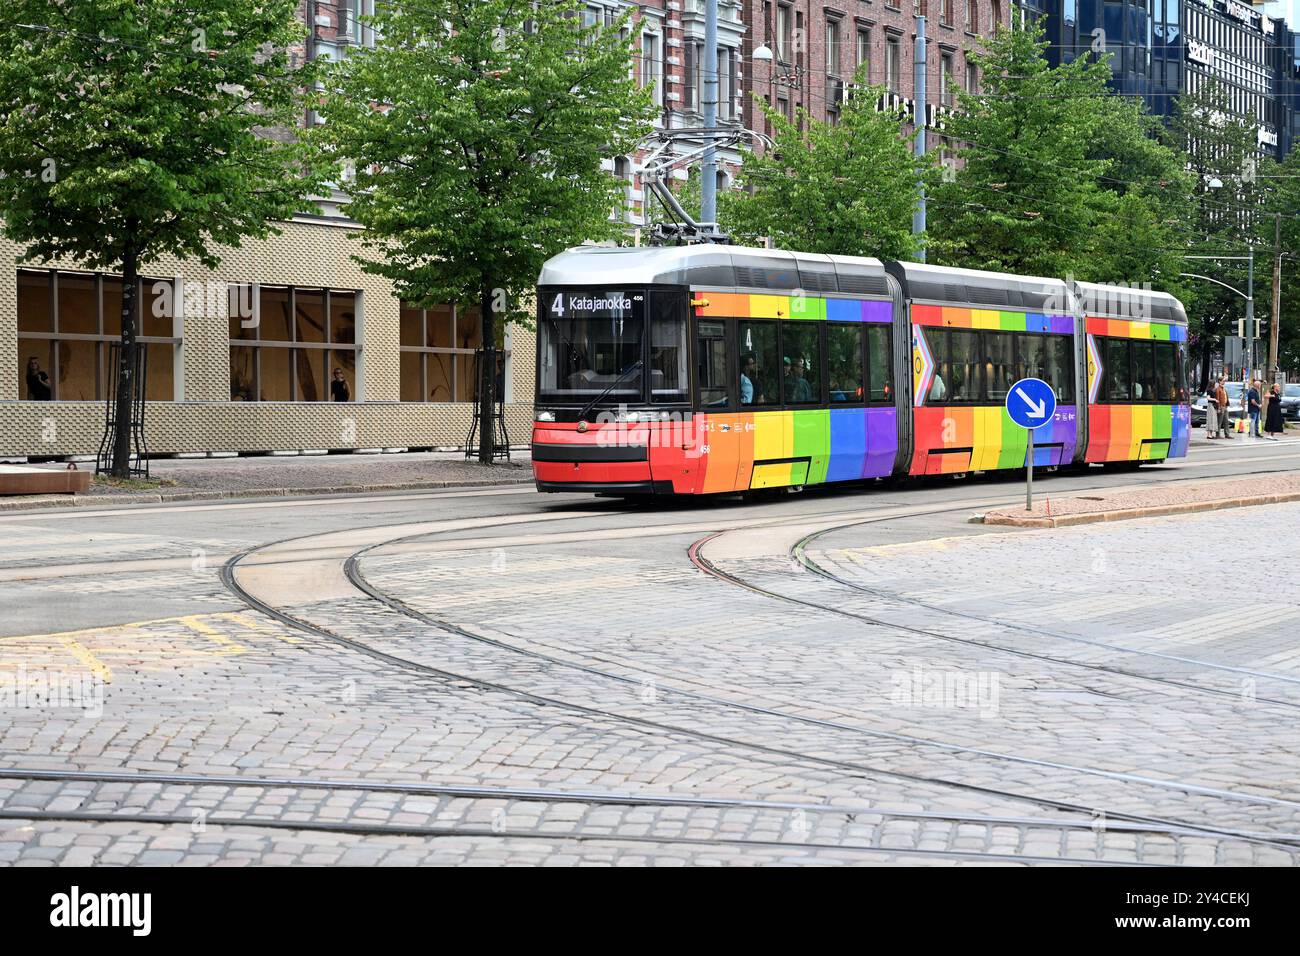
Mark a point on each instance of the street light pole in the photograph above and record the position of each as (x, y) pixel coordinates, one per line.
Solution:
(918, 144)
(709, 166)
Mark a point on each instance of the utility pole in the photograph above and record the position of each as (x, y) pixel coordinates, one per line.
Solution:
(1276, 319)
(918, 144)
(709, 167)
(1250, 316)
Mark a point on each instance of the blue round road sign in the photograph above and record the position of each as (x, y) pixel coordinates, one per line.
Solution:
(1031, 403)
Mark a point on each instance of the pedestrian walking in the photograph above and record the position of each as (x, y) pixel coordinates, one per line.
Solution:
(1221, 395)
(1253, 406)
(1273, 425)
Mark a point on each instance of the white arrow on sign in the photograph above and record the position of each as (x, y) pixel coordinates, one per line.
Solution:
(1036, 409)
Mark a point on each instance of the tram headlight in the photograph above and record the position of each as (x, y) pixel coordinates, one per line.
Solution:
(546, 416)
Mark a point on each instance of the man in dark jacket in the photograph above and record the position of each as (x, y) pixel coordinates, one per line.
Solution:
(38, 383)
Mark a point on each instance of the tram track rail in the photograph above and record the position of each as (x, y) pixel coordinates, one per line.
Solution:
(445, 833)
(1116, 821)
(864, 770)
(799, 553)
(879, 821)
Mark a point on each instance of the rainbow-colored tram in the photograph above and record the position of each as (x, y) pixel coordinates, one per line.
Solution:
(711, 369)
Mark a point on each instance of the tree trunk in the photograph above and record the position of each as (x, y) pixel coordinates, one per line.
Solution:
(125, 411)
(487, 380)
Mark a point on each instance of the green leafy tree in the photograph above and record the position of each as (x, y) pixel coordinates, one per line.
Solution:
(135, 129)
(1221, 154)
(477, 128)
(845, 188)
(1142, 202)
(1281, 219)
(1023, 197)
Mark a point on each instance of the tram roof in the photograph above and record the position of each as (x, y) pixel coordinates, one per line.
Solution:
(999, 290)
(1127, 303)
(712, 265)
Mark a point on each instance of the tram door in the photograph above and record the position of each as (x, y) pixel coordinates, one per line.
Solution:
(721, 433)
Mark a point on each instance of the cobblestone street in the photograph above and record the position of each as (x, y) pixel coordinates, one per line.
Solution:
(486, 677)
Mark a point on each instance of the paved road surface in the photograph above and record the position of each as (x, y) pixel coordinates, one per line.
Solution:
(495, 676)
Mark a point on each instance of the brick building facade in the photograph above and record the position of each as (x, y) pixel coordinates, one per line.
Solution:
(818, 47)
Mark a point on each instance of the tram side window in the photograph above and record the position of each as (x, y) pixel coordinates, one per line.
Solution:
(1116, 369)
(1144, 371)
(879, 354)
(940, 391)
(1180, 371)
(964, 383)
(1032, 351)
(711, 349)
(668, 348)
(999, 368)
(1060, 367)
(1166, 372)
(760, 362)
(801, 363)
(844, 361)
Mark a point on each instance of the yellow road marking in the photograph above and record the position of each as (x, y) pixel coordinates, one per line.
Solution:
(97, 667)
(60, 635)
(194, 623)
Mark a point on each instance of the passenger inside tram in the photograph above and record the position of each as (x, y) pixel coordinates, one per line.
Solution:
(748, 378)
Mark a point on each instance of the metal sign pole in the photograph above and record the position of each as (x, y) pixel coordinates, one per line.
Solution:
(1029, 471)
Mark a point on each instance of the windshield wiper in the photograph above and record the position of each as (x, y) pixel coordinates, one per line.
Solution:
(609, 388)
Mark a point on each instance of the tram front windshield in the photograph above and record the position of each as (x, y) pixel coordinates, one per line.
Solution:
(592, 345)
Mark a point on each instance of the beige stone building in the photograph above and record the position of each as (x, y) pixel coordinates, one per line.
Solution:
(240, 359)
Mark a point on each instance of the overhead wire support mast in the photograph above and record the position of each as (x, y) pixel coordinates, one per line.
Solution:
(709, 168)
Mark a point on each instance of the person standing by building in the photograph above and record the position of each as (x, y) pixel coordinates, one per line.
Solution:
(1273, 425)
(38, 382)
(339, 391)
(1253, 407)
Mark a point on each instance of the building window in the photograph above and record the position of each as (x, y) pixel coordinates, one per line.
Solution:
(972, 16)
(651, 67)
(893, 61)
(727, 83)
(995, 16)
(288, 348)
(67, 322)
(945, 80)
(972, 78)
(863, 57)
(623, 173)
(437, 353)
(783, 40)
(694, 54)
(833, 47)
(945, 15)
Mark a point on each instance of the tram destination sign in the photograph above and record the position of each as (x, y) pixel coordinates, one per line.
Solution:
(596, 304)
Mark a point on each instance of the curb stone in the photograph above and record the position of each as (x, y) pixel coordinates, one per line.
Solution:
(97, 501)
(1124, 514)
